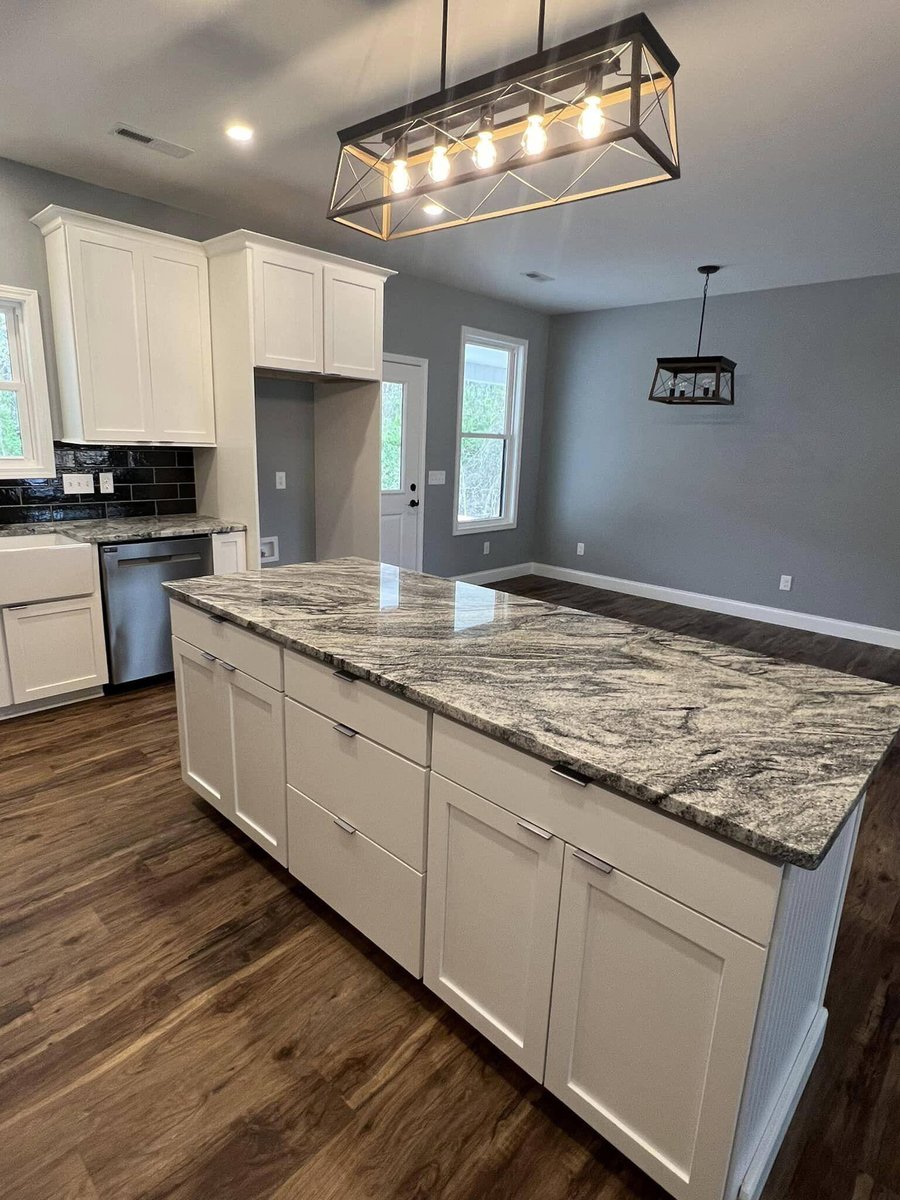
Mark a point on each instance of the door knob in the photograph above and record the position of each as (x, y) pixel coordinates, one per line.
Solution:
(413, 504)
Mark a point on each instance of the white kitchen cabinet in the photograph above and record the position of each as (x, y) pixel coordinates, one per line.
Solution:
(287, 310)
(492, 897)
(132, 331)
(651, 1023)
(354, 303)
(6, 696)
(229, 552)
(55, 648)
(231, 728)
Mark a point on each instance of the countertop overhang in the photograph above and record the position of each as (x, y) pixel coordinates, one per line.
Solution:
(768, 754)
(126, 529)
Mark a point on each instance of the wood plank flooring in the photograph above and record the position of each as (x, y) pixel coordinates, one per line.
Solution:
(179, 1018)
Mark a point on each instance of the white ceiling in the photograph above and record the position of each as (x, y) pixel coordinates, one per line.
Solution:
(787, 125)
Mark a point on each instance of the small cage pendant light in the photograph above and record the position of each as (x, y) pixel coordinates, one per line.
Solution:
(697, 379)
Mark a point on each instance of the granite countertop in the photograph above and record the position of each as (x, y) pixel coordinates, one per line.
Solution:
(768, 754)
(126, 529)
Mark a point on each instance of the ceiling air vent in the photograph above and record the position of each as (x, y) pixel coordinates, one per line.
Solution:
(151, 142)
(538, 276)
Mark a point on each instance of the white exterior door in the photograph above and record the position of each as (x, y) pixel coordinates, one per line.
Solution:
(650, 1026)
(490, 929)
(402, 462)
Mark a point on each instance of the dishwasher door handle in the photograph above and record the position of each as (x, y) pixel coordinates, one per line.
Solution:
(153, 559)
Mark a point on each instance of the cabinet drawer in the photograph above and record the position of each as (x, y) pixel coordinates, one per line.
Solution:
(229, 643)
(381, 896)
(375, 790)
(731, 885)
(368, 709)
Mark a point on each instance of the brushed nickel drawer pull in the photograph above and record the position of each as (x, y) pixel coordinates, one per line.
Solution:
(209, 657)
(344, 729)
(591, 861)
(345, 676)
(228, 666)
(570, 776)
(536, 829)
(217, 620)
(343, 825)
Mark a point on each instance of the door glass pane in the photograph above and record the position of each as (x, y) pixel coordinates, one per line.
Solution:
(485, 389)
(391, 436)
(10, 426)
(480, 478)
(5, 356)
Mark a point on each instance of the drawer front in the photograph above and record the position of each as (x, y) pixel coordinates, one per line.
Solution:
(368, 709)
(379, 895)
(730, 885)
(229, 643)
(373, 789)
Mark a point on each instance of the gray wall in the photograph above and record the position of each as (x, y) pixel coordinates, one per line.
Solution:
(26, 190)
(799, 478)
(285, 441)
(424, 319)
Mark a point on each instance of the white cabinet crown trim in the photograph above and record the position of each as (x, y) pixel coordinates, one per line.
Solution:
(246, 239)
(55, 215)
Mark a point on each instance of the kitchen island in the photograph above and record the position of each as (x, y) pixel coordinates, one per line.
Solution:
(621, 854)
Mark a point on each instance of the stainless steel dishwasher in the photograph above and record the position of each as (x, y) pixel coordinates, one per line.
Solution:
(138, 631)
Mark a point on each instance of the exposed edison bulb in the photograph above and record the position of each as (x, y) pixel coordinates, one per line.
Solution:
(439, 167)
(399, 177)
(534, 140)
(592, 121)
(485, 152)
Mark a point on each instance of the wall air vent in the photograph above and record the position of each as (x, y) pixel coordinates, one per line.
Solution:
(152, 143)
(538, 276)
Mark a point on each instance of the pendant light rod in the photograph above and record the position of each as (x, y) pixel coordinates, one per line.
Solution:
(707, 271)
(444, 23)
(540, 32)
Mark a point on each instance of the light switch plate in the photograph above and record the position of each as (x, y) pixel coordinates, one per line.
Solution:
(437, 476)
(106, 482)
(78, 484)
(280, 480)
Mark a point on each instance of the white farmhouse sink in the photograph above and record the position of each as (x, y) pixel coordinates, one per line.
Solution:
(44, 566)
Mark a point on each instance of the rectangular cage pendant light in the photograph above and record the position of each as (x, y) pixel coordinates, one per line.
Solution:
(585, 118)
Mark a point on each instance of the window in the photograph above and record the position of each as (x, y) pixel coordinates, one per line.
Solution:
(489, 441)
(26, 440)
(391, 436)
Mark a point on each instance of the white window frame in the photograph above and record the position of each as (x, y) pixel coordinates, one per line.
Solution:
(512, 434)
(27, 346)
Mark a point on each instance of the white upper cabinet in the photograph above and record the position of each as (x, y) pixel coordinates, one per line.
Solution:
(312, 313)
(132, 332)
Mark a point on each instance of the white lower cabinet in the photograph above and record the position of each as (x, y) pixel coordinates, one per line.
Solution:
(55, 648)
(493, 895)
(231, 728)
(650, 1026)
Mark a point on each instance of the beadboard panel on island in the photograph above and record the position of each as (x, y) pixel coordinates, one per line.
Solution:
(148, 481)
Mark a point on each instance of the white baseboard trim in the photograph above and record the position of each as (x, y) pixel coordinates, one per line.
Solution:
(721, 604)
(773, 1135)
(492, 576)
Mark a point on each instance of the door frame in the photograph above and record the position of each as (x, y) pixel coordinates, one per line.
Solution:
(408, 360)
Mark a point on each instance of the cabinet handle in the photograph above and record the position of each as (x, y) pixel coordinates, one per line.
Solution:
(591, 861)
(536, 829)
(217, 620)
(208, 657)
(344, 729)
(228, 666)
(345, 676)
(343, 825)
(571, 776)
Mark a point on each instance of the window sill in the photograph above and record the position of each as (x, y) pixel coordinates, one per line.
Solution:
(17, 469)
(482, 527)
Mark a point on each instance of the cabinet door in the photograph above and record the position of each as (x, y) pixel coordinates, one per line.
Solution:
(229, 552)
(490, 919)
(650, 1026)
(202, 727)
(177, 296)
(110, 322)
(287, 310)
(353, 323)
(55, 648)
(256, 784)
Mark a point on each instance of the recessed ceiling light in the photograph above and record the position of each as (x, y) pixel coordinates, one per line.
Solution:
(240, 133)
(433, 210)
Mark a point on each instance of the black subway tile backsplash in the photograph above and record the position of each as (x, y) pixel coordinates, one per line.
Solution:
(147, 481)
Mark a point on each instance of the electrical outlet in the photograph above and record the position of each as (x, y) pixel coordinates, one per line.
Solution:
(579, 547)
(280, 480)
(787, 582)
(79, 485)
(487, 548)
(106, 483)
(437, 477)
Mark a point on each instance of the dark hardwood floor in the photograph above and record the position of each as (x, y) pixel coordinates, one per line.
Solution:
(178, 1018)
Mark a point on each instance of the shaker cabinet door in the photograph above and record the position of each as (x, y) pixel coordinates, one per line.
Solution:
(202, 727)
(55, 648)
(490, 919)
(650, 1026)
(287, 310)
(255, 783)
(353, 323)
